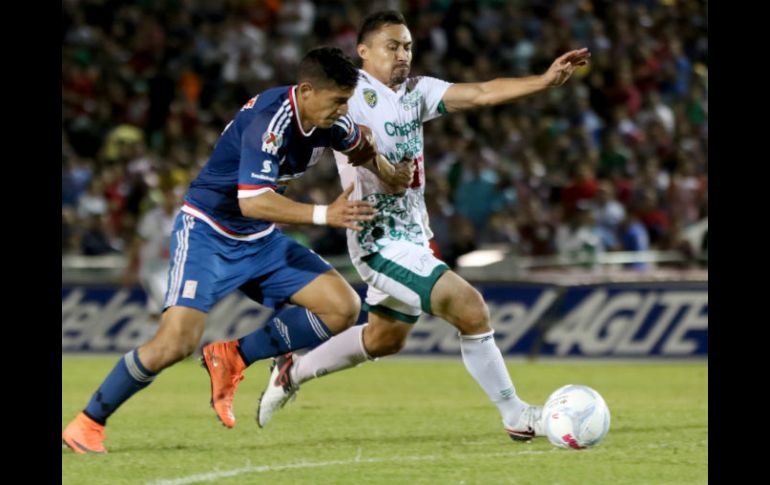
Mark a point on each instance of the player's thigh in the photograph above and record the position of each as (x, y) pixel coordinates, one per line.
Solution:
(459, 303)
(184, 323)
(401, 304)
(404, 272)
(296, 274)
(332, 298)
(203, 266)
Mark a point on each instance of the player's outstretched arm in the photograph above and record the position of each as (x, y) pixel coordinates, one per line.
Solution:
(343, 213)
(504, 90)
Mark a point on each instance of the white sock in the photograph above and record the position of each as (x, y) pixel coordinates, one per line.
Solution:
(342, 351)
(485, 363)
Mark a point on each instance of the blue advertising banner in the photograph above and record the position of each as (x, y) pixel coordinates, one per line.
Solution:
(603, 320)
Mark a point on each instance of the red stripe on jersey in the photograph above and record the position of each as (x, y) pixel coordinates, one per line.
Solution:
(220, 226)
(293, 106)
(254, 187)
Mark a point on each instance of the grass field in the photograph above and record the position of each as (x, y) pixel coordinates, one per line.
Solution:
(401, 421)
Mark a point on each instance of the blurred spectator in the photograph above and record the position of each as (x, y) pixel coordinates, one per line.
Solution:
(582, 187)
(477, 197)
(653, 217)
(502, 228)
(76, 177)
(296, 18)
(634, 237)
(536, 231)
(463, 239)
(654, 109)
(94, 240)
(578, 239)
(93, 202)
(608, 214)
(149, 251)
(685, 191)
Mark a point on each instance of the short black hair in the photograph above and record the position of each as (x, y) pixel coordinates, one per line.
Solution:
(374, 21)
(328, 64)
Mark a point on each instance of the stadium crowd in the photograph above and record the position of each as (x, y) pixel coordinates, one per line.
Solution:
(617, 159)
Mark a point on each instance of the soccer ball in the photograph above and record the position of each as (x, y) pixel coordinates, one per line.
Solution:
(576, 416)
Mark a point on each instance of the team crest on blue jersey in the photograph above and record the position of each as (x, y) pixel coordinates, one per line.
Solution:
(370, 96)
(270, 138)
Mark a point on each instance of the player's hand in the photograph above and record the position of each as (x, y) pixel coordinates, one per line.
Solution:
(563, 67)
(366, 149)
(348, 213)
(396, 177)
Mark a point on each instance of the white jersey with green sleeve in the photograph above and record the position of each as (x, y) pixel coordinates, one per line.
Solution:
(395, 118)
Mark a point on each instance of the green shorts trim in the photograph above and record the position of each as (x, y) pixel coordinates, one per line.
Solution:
(389, 312)
(422, 285)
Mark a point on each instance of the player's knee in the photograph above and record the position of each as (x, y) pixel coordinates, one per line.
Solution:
(342, 312)
(352, 311)
(472, 315)
(186, 348)
(173, 347)
(177, 351)
(386, 343)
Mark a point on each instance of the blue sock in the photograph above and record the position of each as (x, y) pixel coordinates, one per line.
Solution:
(127, 377)
(289, 329)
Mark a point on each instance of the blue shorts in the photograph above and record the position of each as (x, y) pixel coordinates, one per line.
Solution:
(206, 266)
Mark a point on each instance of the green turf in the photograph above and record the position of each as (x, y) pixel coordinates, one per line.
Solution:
(397, 422)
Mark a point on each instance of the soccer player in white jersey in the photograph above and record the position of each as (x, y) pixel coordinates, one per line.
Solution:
(391, 253)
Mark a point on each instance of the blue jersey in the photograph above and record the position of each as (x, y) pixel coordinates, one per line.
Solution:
(261, 147)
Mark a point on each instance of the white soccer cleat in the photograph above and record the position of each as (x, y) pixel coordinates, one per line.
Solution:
(279, 389)
(528, 426)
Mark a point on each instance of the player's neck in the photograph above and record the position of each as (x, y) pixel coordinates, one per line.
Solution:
(386, 82)
(306, 125)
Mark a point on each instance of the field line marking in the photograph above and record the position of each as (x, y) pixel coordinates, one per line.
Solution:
(216, 475)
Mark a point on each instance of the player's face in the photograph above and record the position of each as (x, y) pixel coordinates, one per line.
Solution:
(325, 105)
(387, 54)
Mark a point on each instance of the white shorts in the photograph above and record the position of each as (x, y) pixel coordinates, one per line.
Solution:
(154, 285)
(401, 277)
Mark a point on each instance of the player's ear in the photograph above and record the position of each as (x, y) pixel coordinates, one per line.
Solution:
(305, 89)
(362, 50)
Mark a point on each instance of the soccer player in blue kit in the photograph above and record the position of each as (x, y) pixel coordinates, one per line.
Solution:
(225, 238)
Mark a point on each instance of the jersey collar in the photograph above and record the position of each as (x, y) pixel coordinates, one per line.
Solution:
(293, 103)
(381, 85)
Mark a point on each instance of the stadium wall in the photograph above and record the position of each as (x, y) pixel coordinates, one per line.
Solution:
(615, 320)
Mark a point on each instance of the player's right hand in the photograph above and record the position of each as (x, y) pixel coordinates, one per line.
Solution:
(348, 213)
(563, 67)
(397, 176)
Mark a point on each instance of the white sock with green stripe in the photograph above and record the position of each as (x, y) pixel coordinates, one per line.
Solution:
(485, 363)
(342, 351)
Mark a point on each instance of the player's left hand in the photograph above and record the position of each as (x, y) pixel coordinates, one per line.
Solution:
(563, 67)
